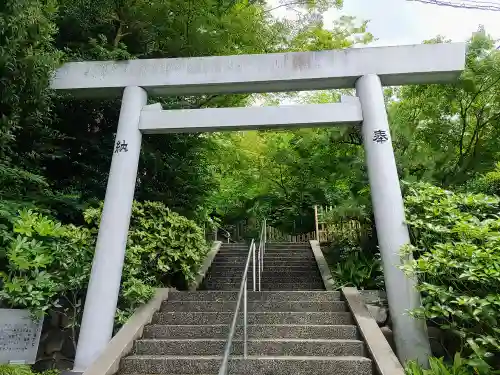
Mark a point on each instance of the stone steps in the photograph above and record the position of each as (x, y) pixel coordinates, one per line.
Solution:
(191, 317)
(244, 254)
(268, 277)
(255, 331)
(286, 267)
(255, 306)
(220, 295)
(290, 286)
(271, 258)
(283, 262)
(237, 269)
(294, 328)
(257, 347)
(276, 365)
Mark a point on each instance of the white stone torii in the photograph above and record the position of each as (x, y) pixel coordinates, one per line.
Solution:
(366, 69)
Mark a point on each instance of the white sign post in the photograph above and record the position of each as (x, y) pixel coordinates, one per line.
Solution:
(366, 69)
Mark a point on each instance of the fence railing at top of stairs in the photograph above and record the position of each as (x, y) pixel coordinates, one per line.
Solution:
(328, 229)
(243, 297)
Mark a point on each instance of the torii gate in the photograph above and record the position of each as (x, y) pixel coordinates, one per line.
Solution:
(366, 69)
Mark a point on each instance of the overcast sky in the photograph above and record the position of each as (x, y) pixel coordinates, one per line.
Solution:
(408, 22)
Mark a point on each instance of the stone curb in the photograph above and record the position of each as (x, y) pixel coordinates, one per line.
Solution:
(324, 269)
(205, 266)
(380, 351)
(122, 343)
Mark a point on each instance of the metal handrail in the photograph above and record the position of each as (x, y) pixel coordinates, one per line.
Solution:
(227, 234)
(242, 294)
(262, 250)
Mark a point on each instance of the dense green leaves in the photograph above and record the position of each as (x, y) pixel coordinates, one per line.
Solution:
(23, 370)
(439, 367)
(351, 266)
(163, 249)
(455, 240)
(42, 260)
(27, 58)
(449, 133)
(283, 174)
(61, 147)
(45, 264)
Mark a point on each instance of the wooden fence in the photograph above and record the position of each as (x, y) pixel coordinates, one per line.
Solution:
(275, 235)
(328, 231)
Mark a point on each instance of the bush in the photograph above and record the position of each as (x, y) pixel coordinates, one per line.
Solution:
(439, 367)
(456, 244)
(352, 266)
(488, 183)
(163, 249)
(41, 261)
(44, 264)
(23, 370)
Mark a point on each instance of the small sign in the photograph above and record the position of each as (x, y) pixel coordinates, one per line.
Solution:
(19, 336)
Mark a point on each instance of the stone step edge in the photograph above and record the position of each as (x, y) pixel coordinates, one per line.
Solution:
(250, 357)
(180, 292)
(251, 325)
(270, 340)
(229, 312)
(249, 300)
(254, 304)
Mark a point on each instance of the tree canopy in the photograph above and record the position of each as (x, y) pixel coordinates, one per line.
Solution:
(56, 150)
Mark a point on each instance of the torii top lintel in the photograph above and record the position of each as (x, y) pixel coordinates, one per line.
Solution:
(291, 71)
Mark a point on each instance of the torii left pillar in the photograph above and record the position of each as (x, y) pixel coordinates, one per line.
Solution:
(104, 285)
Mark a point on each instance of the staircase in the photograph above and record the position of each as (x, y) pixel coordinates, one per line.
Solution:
(290, 333)
(286, 267)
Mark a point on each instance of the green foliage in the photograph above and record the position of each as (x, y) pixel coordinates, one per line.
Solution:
(449, 134)
(175, 168)
(46, 265)
(163, 249)
(457, 263)
(61, 146)
(489, 183)
(351, 266)
(24, 370)
(282, 175)
(439, 367)
(42, 260)
(27, 58)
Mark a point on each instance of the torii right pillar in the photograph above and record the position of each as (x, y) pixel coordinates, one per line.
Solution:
(410, 335)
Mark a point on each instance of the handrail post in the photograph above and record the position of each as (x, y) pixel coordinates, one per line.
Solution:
(261, 269)
(242, 294)
(265, 230)
(264, 243)
(259, 256)
(316, 222)
(245, 318)
(253, 268)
